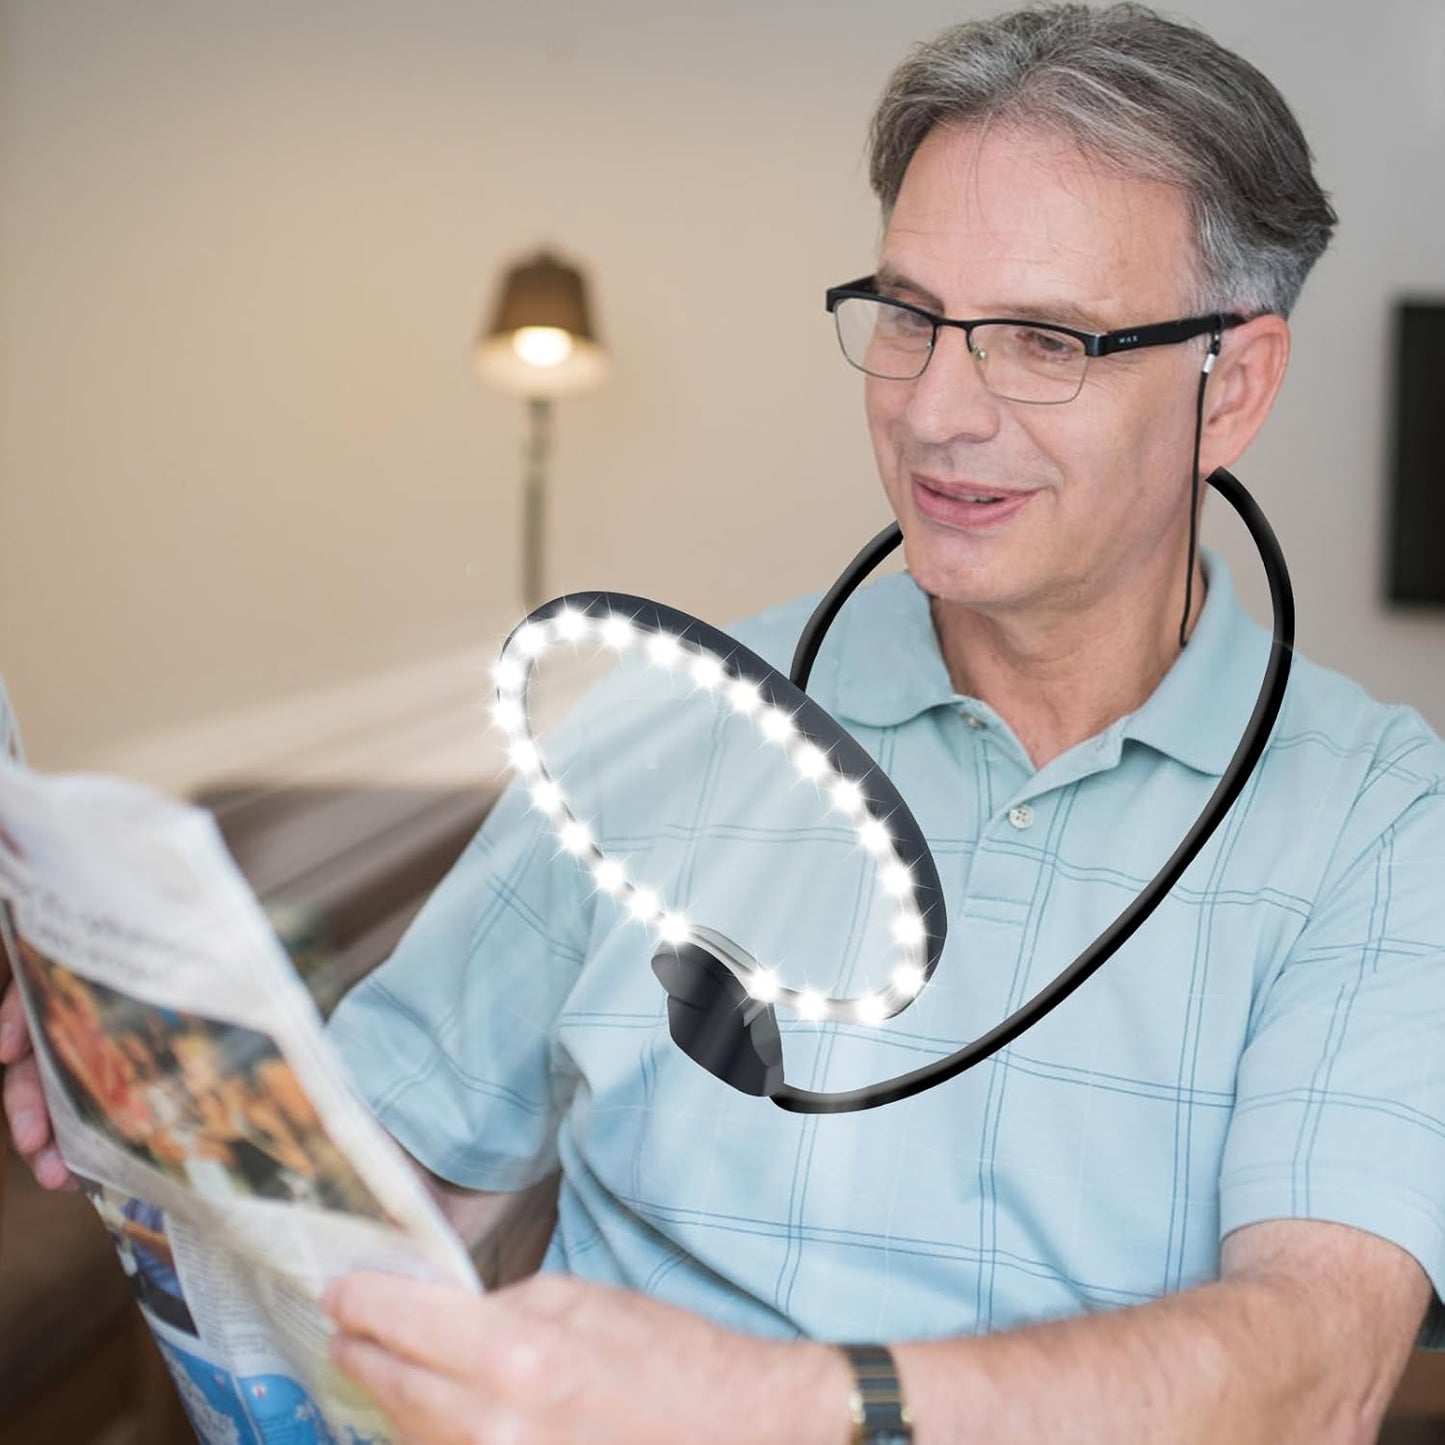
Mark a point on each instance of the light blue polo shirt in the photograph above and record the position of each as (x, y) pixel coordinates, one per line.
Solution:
(1271, 1044)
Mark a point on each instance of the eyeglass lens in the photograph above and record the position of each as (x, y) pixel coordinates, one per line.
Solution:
(1016, 361)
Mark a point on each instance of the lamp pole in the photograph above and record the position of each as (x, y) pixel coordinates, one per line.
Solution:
(534, 501)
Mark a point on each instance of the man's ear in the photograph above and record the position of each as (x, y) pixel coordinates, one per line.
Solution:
(1242, 387)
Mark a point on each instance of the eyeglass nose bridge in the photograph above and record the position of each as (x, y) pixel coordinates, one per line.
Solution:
(980, 357)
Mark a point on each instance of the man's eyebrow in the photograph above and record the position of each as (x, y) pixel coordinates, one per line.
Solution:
(892, 282)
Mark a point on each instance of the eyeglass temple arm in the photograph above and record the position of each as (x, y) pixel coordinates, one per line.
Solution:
(868, 285)
(1166, 333)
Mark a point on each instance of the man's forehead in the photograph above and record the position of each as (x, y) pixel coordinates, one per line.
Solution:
(1002, 212)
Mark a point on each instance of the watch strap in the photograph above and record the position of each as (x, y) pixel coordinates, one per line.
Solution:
(876, 1406)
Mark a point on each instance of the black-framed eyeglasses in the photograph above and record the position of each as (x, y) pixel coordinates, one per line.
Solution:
(1018, 359)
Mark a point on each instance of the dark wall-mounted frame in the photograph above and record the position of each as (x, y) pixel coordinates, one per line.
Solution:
(1415, 534)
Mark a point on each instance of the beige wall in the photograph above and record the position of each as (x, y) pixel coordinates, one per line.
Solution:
(243, 249)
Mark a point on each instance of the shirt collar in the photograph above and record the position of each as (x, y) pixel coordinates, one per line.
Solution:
(883, 668)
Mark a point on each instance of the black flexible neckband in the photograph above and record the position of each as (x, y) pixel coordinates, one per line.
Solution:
(1241, 765)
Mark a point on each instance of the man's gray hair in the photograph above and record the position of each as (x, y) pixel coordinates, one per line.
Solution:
(1157, 99)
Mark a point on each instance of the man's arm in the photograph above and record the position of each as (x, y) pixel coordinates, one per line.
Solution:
(1301, 1344)
(1303, 1339)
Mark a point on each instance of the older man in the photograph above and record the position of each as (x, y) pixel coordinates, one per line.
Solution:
(1203, 1199)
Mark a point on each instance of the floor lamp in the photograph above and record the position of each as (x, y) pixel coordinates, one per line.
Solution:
(540, 344)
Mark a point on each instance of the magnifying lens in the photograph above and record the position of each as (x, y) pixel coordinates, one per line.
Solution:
(722, 1003)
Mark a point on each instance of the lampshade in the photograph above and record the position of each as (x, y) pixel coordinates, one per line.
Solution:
(541, 341)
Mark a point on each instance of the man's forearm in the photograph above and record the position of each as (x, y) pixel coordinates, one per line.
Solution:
(1238, 1361)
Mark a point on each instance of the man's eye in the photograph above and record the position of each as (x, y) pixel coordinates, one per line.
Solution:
(895, 321)
(1031, 341)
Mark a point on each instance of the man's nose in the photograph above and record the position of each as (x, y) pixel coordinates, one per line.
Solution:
(949, 401)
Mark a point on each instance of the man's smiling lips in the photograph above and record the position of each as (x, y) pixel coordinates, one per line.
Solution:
(965, 506)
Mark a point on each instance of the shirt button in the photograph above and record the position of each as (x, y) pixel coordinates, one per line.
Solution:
(1021, 816)
(973, 722)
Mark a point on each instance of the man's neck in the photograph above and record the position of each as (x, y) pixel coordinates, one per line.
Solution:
(1062, 677)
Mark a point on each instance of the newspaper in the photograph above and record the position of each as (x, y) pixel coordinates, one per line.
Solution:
(200, 1105)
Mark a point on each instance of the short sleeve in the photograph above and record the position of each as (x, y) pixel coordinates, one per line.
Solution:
(1340, 1101)
(450, 1041)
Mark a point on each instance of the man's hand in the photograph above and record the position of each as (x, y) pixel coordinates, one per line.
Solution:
(26, 1115)
(564, 1361)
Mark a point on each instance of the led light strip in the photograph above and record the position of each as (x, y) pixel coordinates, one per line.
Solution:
(615, 632)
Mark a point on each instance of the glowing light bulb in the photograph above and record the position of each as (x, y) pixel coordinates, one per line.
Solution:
(763, 985)
(812, 1005)
(874, 836)
(542, 346)
(523, 757)
(509, 715)
(811, 761)
(572, 626)
(897, 880)
(619, 633)
(870, 1009)
(744, 697)
(777, 726)
(664, 649)
(576, 838)
(645, 905)
(547, 796)
(531, 638)
(708, 672)
(672, 928)
(908, 928)
(609, 875)
(907, 978)
(847, 796)
(509, 674)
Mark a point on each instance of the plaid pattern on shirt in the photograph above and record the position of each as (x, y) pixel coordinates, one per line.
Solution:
(1267, 1046)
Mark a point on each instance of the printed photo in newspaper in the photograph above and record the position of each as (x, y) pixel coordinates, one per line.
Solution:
(199, 1105)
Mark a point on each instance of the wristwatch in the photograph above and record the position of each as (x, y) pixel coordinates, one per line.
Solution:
(876, 1405)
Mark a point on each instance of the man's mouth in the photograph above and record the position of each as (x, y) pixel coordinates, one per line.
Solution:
(953, 502)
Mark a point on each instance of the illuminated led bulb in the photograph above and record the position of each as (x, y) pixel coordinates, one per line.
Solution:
(870, 1009)
(763, 985)
(531, 638)
(907, 978)
(645, 905)
(618, 633)
(572, 626)
(672, 928)
(811, 761)
(509, 674)
(708, 672)
(897, 880)
(509, 715)
(812, 1005)
(524, 758)
(847, 796)
(575, 837)
(908, 928)
(609, 875)
(777, 726)
(547, 796)
(744, 697)
(874, 836)
(663, 649)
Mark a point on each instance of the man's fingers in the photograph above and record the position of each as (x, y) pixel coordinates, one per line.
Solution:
(25, 1111)
(440, 1326)
(14, 1033)
(428, 1407)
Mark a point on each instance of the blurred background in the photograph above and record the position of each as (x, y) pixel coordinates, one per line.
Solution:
(245, 250)
(260, 520)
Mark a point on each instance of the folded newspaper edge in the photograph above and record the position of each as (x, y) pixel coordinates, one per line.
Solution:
(199, 1102)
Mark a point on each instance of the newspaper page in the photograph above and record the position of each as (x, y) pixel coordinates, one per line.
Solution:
(198, 1101)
